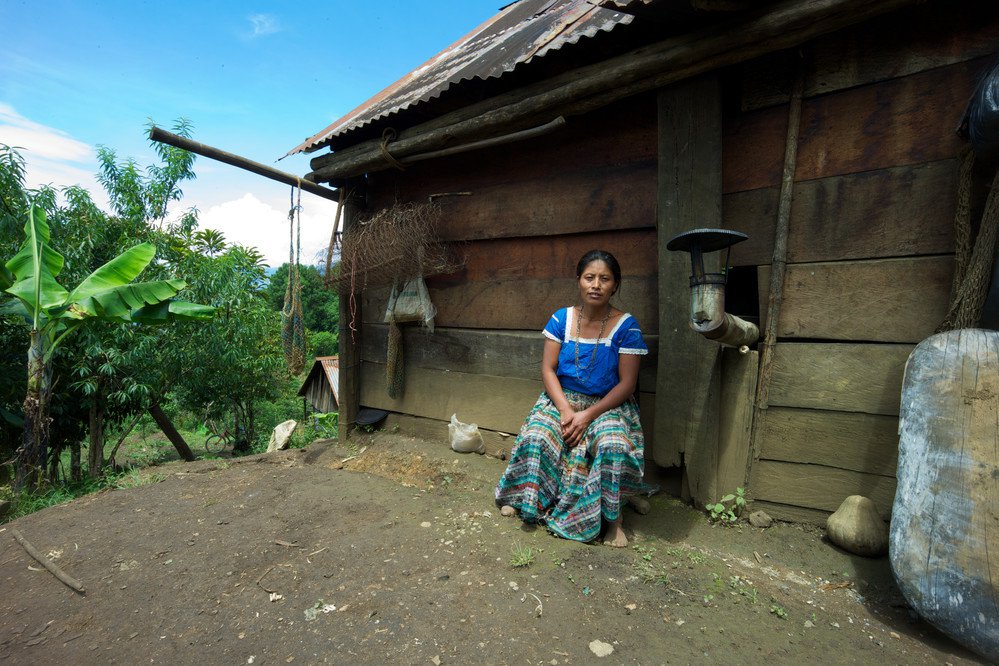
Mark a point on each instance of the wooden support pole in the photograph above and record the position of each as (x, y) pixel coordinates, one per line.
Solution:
(778, 27)
(690, 195)
(177, 141)
(350, 357)
(778, 269)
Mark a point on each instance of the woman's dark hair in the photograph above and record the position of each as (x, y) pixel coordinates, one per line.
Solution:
(600, 255)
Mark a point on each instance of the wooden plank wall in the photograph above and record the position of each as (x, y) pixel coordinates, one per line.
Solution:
(870, 249)
(534, 208)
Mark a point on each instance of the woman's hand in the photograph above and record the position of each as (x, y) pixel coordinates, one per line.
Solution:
(575, 426)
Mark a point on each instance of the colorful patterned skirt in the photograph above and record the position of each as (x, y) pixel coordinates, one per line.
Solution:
(570, 489)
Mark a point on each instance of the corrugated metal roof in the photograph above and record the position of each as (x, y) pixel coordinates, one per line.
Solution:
(331, 366)
(521, 32)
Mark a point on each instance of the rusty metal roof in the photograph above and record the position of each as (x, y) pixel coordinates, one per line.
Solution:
(521, 32)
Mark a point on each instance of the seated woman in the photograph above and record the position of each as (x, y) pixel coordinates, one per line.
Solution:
(581, 450)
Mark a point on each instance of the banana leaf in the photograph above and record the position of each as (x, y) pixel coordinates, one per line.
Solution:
(119, 302)
(118, 272)
(161, 313)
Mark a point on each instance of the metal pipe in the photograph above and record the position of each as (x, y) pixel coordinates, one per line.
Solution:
(708, 317)
(177, 141)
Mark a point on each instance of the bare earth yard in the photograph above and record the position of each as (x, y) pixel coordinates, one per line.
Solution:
(398, 555)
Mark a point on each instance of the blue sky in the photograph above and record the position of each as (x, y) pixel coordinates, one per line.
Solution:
(254, 78)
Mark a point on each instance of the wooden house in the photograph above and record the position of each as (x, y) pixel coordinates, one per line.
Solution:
(823, 129)
(321, 387)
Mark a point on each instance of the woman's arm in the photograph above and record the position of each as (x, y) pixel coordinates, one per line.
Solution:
(549, 364)
(627, 367)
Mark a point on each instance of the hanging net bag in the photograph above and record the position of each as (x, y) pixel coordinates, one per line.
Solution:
(292, 322)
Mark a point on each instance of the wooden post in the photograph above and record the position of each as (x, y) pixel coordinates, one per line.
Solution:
(690, 194)
(778, 266)
(350, 340)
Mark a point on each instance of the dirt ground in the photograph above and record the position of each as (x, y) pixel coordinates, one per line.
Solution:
(398, 555)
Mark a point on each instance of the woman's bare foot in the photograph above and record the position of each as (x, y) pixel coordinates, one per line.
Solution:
(615, 535)
(507, 510)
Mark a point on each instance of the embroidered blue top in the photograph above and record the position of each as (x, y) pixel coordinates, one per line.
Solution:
(594, 374)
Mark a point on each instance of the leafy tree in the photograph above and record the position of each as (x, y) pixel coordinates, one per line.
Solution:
(54, 313)
(320, 304)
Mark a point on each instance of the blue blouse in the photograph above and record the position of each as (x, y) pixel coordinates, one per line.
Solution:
(595, 373)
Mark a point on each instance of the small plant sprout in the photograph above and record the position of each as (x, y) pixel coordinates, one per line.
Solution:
(728, 509)
(779, 611)
(522, 556)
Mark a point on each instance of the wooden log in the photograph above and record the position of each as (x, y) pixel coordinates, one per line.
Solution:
(901, 300)
(516, 304)
(169, 138)
(894, 212)
(51, 566)
(847, 440)
(902, 122)
(932, 35)
(166, 425)
(619, 134)
(689, 197)
(778, 27)
(818, 487)
(851, 377)
(349, 318)
(945, 527)
(738, 389)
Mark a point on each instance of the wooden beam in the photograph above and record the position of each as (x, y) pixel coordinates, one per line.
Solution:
(819, 487)
(848, 440)
(902, 300)
(738, 389)
(203, 149)
(689, 197)
(350, 358)
(777, 27)
(850, 377)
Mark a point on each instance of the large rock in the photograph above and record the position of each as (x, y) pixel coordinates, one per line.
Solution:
(856, 527)
(281, 435)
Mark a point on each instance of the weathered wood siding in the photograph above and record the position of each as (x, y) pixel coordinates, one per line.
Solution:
(870, 250)
(534, 208)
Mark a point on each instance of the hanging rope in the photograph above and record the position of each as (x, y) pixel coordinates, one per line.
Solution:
(292, 321)
(973, 260)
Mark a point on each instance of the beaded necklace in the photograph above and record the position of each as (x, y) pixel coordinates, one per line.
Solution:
(589, 366)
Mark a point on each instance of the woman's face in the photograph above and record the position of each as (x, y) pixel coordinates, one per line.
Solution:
(597, 283)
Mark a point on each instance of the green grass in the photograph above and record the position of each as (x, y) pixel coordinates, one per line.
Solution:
(522, 556)
(26, 503)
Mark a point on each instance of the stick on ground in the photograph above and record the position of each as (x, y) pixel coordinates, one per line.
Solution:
(48, 564)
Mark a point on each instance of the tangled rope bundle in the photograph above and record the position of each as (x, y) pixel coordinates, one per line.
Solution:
(396, 243)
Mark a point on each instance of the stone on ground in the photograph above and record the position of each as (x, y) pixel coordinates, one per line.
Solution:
(281, 435)
(856, 527)
(600, 648)
(760, 519)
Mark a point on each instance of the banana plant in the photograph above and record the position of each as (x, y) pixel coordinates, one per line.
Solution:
(53, 313)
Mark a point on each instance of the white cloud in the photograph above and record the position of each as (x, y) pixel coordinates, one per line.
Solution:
(52, 156)
(263, 24)
(263, 225)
